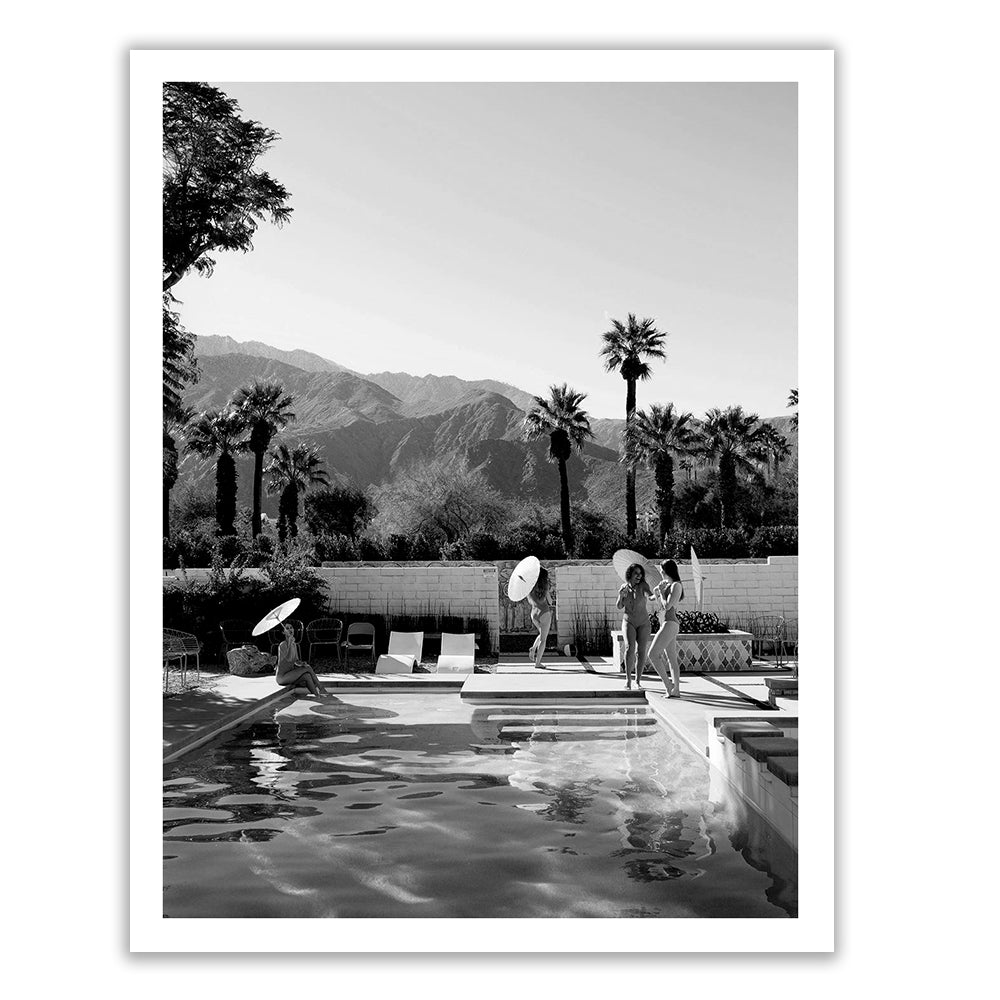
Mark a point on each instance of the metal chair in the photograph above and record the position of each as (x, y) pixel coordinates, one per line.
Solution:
(236, 632)
(324, 632)
(189, 645)
(356, 634)
(172, 650)
(770, 629)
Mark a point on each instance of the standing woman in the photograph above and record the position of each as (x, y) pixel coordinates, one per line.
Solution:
(635, 624)
(290, 669)
(670, 593)
(541, 615)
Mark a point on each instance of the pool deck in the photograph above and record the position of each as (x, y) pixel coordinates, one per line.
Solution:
(224, 700)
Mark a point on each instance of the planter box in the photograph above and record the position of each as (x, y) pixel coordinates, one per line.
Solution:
(699, 653)
(712, 651)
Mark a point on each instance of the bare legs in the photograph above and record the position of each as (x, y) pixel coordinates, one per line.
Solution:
(302, 674)
(542, 623)
(665, 645)
(635, 655)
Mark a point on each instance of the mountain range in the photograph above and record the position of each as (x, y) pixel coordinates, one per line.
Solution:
(369, 427)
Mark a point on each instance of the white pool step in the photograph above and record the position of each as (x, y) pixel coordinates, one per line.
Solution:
(559, 733)
(602, 720)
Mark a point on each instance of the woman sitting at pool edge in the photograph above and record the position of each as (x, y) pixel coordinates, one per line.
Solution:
(290, 670)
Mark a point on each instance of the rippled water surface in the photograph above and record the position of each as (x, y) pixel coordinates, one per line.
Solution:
(416, 805)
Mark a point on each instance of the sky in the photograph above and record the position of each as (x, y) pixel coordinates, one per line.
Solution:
(494, 230)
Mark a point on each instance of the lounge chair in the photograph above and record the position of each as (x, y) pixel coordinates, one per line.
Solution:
(458, 653)
(405, 649)
(360, 636)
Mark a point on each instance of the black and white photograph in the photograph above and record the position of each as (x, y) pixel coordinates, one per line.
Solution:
(480, 500)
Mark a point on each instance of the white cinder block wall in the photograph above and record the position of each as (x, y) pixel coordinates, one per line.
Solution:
(467, 590)
(731, 589)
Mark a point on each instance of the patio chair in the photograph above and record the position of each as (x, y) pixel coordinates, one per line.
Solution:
(172, 651)
(405, 649)
(236, 632)
(458, 653)
(189, 645)
(324, 632)
(360, 636)
(769, 629)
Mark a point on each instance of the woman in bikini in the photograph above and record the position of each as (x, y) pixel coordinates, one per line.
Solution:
(290, 669)
(635, 623)
(541, 616)
(670, 593)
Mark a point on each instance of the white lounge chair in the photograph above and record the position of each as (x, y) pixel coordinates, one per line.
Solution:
(405, 649)
(458, 653)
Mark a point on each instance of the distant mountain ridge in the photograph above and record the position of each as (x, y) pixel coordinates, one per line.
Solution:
(369, 428)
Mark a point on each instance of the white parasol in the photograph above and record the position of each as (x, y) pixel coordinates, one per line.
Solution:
(272, 618)
(523, 578)
(624, 558)
(699, 578)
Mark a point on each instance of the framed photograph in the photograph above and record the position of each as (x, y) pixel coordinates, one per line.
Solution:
(486, 544)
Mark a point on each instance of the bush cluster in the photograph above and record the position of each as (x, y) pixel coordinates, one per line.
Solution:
(700, 622)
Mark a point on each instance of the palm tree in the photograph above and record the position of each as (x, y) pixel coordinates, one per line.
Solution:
(775, 445)
(793, 400)
(626, 346)
(567, 426)
(175, 421)
(292, 471)
(653, 439)
(732, 439)
(222, 433)
(264, 408)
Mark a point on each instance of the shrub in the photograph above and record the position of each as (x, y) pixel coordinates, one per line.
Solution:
(781, 540)
(700, 622)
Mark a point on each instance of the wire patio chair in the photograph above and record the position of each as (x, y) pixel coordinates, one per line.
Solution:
(172, 650)
(769, 629)
(189, 645)
(324, 632)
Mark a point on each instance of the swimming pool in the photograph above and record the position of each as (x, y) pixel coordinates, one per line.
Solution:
(422, 805)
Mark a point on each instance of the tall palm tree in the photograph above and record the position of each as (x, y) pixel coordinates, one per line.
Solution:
(775, 445)
(732, 439)
(175, 420)
(264, 407)
(653, 439)
(793, 400)
(561, 418)
(626, 348)
(222, 433)
(291, 472)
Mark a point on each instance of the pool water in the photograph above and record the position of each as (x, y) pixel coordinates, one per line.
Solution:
(417, 805)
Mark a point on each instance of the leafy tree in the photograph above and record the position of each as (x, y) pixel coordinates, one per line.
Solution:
(265, 410)
(562, 419)
(339, 510)
(221, 433)
(174, 423)
(653, 439)
(733, 440)
(626, 348)
(292, 471)
(793, 401)
(179, 365)
(444, 500)
(213, 198)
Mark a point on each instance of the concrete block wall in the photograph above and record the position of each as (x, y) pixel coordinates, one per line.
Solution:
(467, 590)
(733, 590)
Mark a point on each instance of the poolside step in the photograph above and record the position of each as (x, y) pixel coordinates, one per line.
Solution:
(760, 748)
(550, 734)
(785, 769)
(734, 730)
(602, 720)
